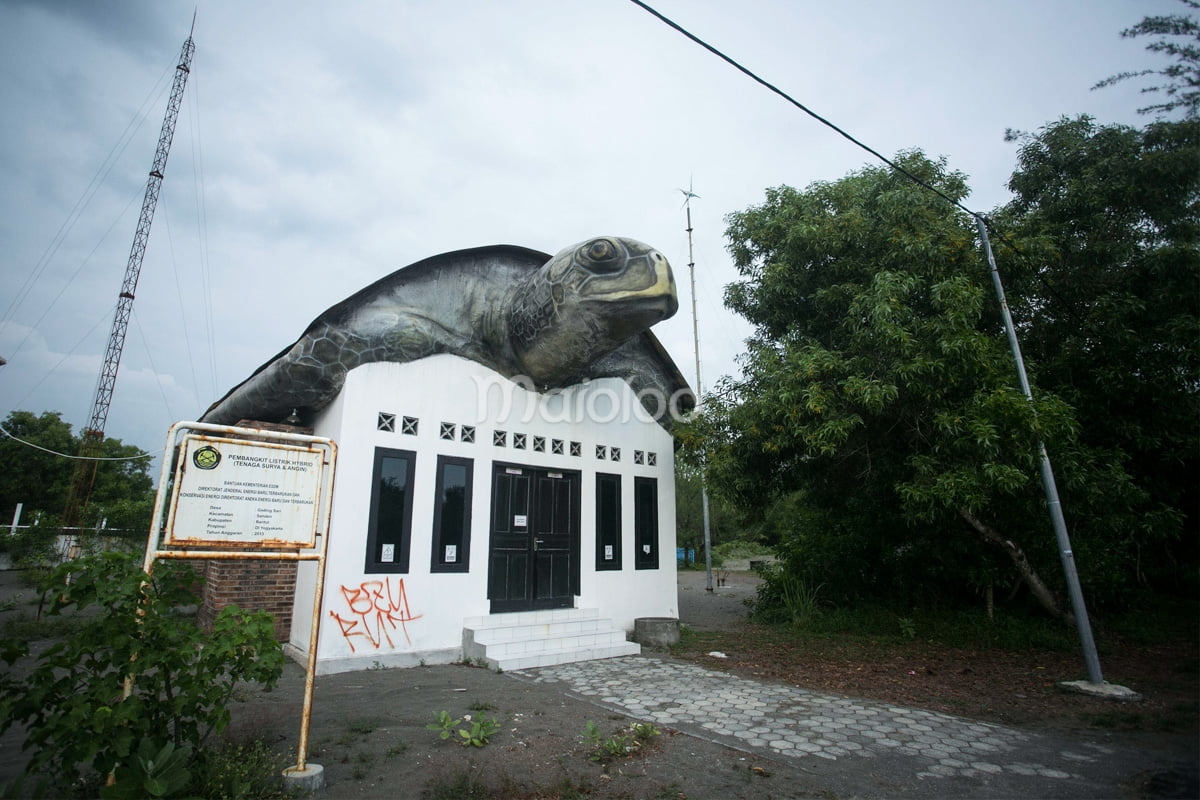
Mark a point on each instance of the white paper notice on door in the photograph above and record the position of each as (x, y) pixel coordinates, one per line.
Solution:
(451, 553)
(389, 554)
(608, 552)
(520, 520)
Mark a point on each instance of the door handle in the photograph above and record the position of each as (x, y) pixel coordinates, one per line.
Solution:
(537, 542)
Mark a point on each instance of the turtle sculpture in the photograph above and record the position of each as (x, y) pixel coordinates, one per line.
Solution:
(549, 322)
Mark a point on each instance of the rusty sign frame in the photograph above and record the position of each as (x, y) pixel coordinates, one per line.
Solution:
(184, 474)
(278, 551)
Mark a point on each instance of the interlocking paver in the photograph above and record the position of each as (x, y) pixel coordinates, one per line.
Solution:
(796, 723)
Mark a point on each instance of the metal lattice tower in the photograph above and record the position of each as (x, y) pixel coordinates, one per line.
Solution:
(93, 434)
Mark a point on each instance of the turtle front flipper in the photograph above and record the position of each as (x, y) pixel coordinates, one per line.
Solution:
(643, 364)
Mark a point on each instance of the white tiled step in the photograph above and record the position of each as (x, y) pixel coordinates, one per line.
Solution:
(554, 643)
(548, 630)
(565, 657)
(542, 638)
(530, 618)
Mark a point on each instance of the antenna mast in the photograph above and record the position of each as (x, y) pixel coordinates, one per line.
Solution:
(93, 434)
(688, 194)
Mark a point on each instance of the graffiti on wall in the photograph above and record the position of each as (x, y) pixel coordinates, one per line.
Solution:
(377, 608)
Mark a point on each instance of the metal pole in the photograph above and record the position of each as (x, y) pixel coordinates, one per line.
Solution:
(708, 584)
(1056, 516)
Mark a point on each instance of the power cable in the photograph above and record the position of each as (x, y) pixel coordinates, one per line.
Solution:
(85, 198)
(75, 275)
(772, 87)
(157, 379)
(975, 215)
(68, 455)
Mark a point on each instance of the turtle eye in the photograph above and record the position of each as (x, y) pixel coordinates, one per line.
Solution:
(600, 255)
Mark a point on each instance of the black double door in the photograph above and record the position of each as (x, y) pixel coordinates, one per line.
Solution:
(534, 548)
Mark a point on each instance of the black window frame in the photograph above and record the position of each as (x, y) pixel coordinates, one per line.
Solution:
(437, 562)
(615, 563)
(400, 564)
(645, 523)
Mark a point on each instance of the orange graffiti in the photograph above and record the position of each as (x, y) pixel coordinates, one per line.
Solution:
(374, 608)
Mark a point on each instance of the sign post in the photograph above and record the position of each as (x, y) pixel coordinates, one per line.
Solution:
(234, 493)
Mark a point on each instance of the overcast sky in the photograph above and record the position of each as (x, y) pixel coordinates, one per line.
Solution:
(323, 145)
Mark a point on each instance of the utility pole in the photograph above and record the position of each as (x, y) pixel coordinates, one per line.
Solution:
(688, 194)
(1095, 684)
(92, 435)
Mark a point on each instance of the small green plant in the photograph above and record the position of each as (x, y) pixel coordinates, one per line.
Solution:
(362, 725)
(396, 749)
(908, 628)
(623, 743)
(243, 770)
(154, 771)
(181, 678)
(477, 734)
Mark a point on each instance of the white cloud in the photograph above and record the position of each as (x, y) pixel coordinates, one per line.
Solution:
(341, 142)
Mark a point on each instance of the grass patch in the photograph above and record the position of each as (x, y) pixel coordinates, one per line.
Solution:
(966, 628)
(462, 786)
(50, 626)
(249, 770)
(363, 725)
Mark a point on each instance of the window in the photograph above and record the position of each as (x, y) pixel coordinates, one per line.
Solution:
(645, 523)
(608, 521)
(391, 511)
(452, 515)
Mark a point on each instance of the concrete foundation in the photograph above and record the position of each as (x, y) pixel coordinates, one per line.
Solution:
(309, 780)
(1105, 690)
(656, 631)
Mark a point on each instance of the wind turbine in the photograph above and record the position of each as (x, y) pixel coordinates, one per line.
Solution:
(688, 195)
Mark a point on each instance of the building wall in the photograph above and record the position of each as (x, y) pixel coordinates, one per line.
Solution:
(407, 619)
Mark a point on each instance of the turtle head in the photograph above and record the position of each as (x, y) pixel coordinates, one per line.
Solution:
(586, 302)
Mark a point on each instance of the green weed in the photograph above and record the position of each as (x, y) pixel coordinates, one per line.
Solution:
(477, 733)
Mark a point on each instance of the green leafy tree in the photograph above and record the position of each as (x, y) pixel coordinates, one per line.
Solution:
(31, 476)
(70, 698)
(879, 396)
(39, 479)
(1182, 87)
(725, 523)
(1103, 265)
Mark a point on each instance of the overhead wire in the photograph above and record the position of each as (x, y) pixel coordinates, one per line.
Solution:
(108, 313)
(198, 189)
(772, 87)
(50, 307)
(1037, 275)
(187, 339)
(76, 457)
(85, 198)
(157, 375)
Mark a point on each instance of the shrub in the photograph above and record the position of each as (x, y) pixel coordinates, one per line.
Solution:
(72, 701)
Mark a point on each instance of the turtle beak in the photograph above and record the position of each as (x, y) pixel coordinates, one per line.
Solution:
(659, 295)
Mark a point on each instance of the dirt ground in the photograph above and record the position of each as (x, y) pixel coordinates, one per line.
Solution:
(369, 728)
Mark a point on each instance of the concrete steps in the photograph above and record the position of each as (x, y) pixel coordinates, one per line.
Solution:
(542, 638)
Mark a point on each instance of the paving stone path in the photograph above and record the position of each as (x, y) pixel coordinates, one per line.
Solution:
(799, 724)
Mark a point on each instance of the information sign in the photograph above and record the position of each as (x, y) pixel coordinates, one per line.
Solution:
(230, 491)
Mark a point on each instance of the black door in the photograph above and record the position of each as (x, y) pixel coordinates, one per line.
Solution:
(534, 543)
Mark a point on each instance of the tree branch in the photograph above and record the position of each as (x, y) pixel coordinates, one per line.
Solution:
(1044, 596)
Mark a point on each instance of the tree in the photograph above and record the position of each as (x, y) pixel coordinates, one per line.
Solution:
(68, 697)
(1103, 265)
(38, 478)
(1182, 87)
(879, 395)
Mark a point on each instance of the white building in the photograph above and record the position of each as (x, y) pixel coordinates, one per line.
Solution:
(473, 518)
